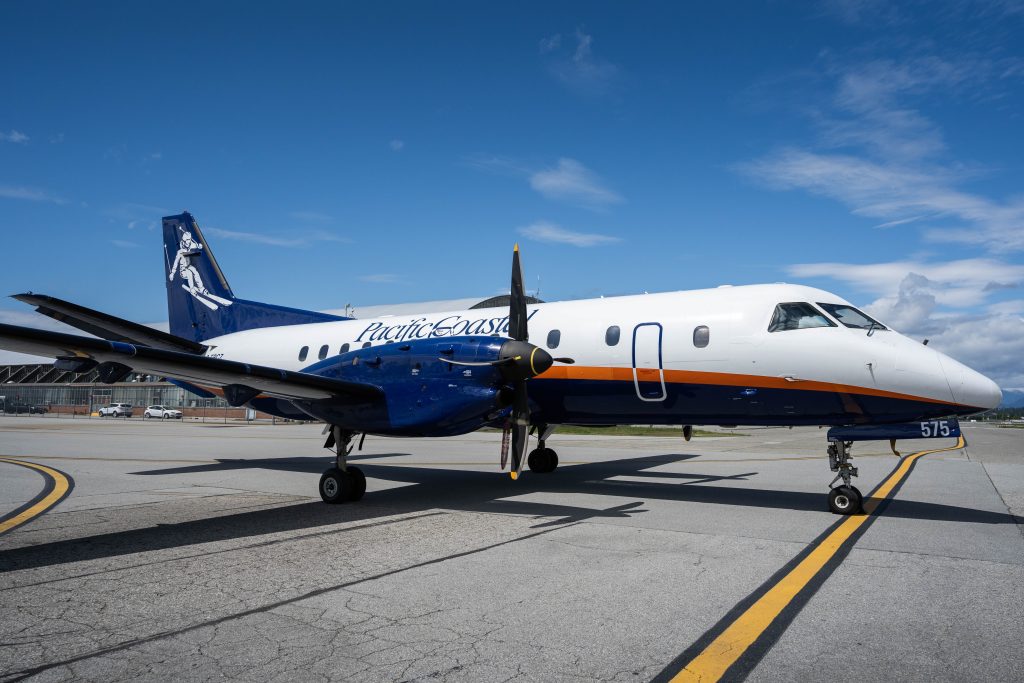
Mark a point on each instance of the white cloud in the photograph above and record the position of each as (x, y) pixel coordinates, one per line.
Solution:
(581, 71)
(573, 182)
(311, 216)
(892, 167)
(32, 194)
(303, 240)
(124, 244)
(543, 231)
(897, 193)
(963, 283)
(14, 136)
(550, 43)
(396, 145)
(381, 278)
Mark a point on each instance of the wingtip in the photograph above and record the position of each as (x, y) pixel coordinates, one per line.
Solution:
(516, 248)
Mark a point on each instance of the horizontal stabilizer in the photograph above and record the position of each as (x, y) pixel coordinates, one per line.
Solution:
(195, 369)
(107, 326)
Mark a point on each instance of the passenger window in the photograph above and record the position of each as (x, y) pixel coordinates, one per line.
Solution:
(851, 317)
(303, 352)
(701, 336)
(797, 316)
(344, 348)
(611, 335)
(554, 336)
(323, 352)
(366, 345)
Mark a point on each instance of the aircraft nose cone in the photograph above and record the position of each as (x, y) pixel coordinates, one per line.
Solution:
(989, 393)
(971, 388)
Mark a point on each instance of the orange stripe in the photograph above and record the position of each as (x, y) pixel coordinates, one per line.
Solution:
(727, 379)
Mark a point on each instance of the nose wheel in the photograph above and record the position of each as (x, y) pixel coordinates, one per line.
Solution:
(844, 499)
(542, 460)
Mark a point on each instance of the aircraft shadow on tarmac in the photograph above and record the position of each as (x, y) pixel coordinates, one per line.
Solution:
(432, 488)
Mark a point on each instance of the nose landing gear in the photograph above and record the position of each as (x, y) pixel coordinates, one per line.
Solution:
(844, 499)
(342, 483)
(542, 459)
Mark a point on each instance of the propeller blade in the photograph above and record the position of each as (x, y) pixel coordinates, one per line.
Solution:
(504, 446)
(567, 361)
(520, 428)
(517, 301)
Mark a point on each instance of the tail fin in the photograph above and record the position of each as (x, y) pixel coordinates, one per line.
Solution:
(200, 303)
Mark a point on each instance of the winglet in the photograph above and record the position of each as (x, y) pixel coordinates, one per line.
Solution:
(516, 248)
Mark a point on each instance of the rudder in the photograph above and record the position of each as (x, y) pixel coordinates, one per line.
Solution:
(200, 303)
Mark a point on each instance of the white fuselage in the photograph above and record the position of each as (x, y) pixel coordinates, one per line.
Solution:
(656, 344)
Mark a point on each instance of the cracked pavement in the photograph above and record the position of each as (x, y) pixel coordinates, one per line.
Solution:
(188, 551)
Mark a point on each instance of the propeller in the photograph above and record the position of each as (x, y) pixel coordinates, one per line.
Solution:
(520, 360)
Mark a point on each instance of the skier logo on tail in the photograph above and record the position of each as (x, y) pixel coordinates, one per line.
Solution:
(192, 281)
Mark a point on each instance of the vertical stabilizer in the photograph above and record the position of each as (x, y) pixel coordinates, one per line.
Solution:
(200, 303)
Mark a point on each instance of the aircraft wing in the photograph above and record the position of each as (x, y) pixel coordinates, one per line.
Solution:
(107, 326)
(202, 370)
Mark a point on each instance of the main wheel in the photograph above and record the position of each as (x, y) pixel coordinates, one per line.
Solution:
(844, 500)
(336, 486)
(358, 483)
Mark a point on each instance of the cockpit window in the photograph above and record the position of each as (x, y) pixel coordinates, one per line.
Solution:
(851, 317)
(797, 316)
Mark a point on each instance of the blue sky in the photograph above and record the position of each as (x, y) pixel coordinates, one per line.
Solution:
(388, 152)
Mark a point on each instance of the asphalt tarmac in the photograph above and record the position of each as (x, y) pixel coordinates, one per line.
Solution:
(203, 552)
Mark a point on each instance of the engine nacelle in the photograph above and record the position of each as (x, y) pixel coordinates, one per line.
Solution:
(427, 391)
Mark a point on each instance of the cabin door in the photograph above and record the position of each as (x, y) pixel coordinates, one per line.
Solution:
(648, 374)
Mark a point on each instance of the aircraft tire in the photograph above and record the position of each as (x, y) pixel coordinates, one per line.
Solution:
(358, 483)
(542, 460)
(844, 500)
(336, 486)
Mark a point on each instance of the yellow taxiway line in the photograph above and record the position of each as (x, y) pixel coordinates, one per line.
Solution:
(58, 486)
(712, 663)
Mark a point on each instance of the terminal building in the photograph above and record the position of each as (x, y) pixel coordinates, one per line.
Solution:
(42, 386)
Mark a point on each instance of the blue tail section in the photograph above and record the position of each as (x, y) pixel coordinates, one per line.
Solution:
(200, 302)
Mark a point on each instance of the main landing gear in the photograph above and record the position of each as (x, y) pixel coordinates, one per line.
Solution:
(542, 459)
(844, 499)
(342, 483)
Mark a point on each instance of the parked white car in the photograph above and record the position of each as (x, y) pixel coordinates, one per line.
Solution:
(162, 413)
(116, 410)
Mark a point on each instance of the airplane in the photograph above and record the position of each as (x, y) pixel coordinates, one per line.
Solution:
(772, 354)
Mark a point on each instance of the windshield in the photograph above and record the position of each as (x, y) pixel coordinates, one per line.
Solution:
(797, 316)
(851, 317)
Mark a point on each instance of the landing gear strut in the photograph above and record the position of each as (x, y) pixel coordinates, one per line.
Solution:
(342, 483)
(844, 499)
(542, 459)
